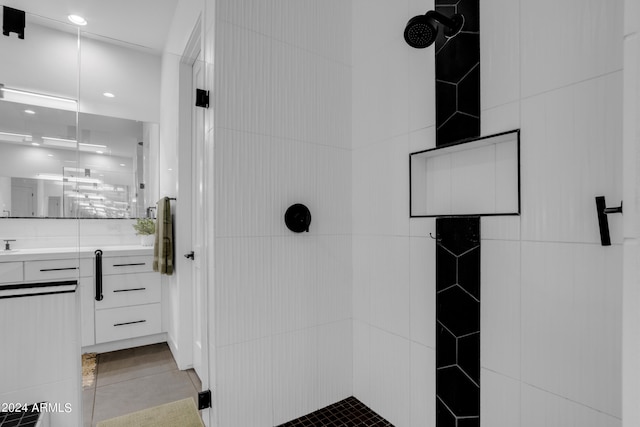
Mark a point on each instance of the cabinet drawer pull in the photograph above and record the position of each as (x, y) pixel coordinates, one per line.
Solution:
(129, 265)
(129, 290)
(129, 323)
(58, 269)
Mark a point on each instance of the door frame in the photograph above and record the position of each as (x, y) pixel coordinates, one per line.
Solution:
(182, 345)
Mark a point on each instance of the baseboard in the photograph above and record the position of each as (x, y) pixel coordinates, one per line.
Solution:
(175, 351)
(128, 343)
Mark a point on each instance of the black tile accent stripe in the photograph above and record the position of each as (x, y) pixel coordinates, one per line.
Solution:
(349, 412)
(458, 75)
(458, 251)
(458, 322)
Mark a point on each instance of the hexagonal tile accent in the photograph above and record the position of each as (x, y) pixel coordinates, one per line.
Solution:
(458, 311)
(447, 268)
(457, 391)
(469, 271)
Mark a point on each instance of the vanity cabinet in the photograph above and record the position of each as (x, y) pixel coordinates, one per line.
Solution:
(38, 314)
(57, 269)
(11, 272)
(131, 303)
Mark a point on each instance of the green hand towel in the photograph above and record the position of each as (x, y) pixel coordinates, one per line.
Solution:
(163, 248)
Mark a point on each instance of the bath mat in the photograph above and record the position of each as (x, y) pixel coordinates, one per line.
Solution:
(182, 413)
(88, 370)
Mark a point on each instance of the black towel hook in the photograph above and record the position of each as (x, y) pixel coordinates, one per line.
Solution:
(602, 211)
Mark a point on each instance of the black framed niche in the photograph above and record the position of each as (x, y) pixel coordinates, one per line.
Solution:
(471, 177)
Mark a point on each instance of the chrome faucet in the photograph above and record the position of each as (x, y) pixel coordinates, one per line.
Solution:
(7, 244)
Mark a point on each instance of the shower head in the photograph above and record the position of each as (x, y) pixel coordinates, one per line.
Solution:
(421, 30)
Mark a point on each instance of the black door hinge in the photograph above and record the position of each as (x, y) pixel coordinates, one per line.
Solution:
(204, 399)
(202, 98)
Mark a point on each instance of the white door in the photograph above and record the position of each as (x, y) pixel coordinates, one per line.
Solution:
(200, 359)
(53, 209)
(23, 197)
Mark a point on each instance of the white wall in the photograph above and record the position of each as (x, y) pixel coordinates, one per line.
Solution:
(551, 295)
(47, 61)
(631, 289)
(282, 313)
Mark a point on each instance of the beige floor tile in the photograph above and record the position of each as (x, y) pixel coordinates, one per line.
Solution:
(140, 393)
(88, 396)
(139, 362)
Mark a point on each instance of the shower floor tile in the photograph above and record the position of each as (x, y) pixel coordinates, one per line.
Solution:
(349, 412)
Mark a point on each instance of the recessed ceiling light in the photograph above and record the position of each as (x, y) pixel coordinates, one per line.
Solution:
(122, 164)
(35, 143)
(29, 111)
(78, 20)
(109, 95)
(100, 152)
(49, 155)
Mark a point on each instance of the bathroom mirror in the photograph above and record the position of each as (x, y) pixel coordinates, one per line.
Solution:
(79, 132)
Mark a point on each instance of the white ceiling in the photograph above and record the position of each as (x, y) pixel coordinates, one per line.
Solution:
(141, 22)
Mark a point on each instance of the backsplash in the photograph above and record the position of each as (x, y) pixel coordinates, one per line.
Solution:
(56, 233)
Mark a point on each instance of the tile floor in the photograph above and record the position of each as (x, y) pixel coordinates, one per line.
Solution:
(134, 379)
(349, 412)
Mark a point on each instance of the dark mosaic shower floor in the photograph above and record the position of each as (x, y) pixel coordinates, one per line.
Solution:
(349, 412)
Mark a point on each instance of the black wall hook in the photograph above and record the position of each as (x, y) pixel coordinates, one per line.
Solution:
(297, 218)
(603, 222)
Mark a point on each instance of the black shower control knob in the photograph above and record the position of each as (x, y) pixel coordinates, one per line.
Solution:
(297, 218)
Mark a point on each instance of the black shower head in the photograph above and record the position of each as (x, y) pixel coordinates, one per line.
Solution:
(421, 30)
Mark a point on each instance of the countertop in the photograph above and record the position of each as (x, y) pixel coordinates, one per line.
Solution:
(72, 252)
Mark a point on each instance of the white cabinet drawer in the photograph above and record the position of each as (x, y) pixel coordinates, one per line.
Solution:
(51, 270)
(11, 272)
(127, 322)
(120, 290)
(127, 264)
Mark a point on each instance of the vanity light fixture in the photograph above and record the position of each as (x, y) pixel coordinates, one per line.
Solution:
(60, 142)
(29, 111)
(77, 19)
(97, 148)
(35, 144)
(35, 98)
(56, 177)
(109, 95)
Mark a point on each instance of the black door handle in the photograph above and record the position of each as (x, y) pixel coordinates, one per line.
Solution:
(190, 255)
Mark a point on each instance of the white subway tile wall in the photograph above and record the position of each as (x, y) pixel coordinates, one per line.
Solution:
(281, 135)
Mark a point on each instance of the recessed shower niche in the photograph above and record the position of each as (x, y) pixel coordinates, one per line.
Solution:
(472, 177)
